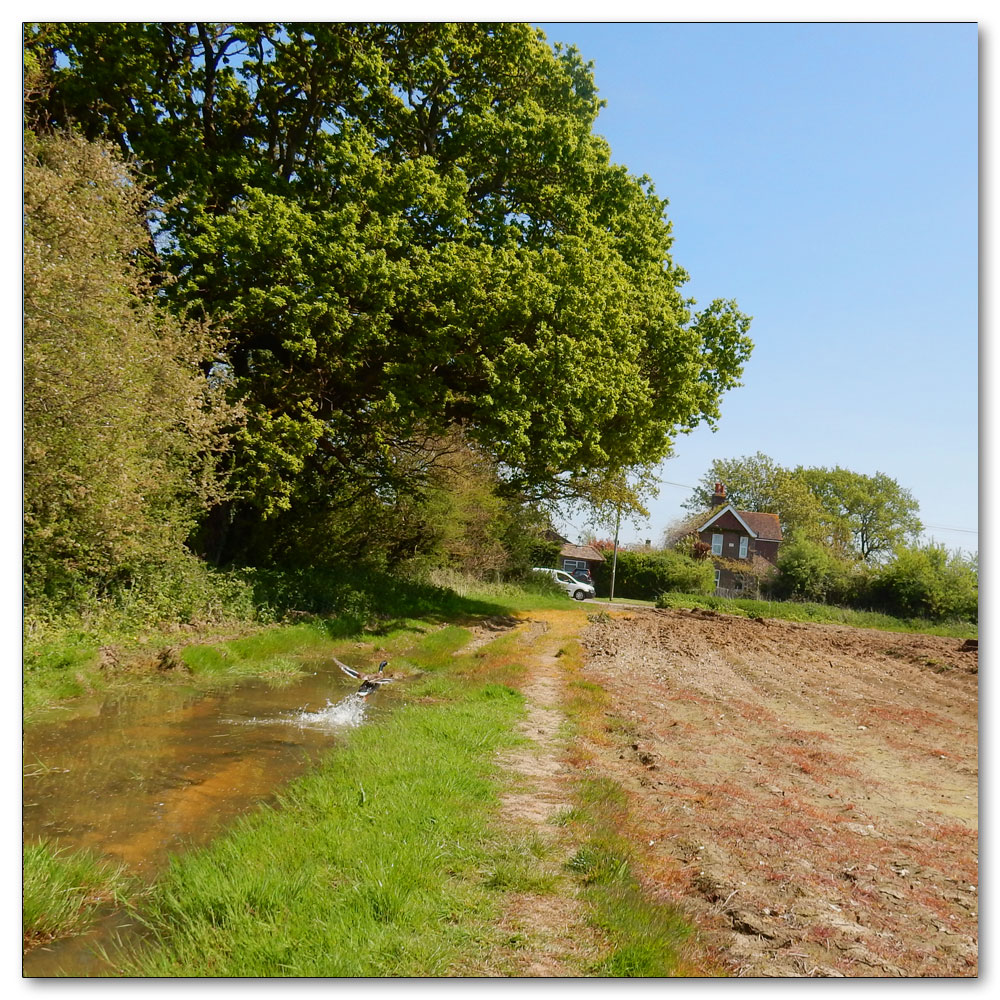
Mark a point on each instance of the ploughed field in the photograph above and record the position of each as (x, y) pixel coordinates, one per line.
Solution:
(807, 792)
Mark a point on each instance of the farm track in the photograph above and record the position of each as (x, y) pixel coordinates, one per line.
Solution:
(549, 932)
(807, 794)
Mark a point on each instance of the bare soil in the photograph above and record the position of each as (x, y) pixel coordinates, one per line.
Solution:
(548, 933)
(807, 793)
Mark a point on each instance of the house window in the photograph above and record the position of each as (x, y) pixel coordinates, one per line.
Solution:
(716, 544)
(744, 542)
(571, 564)
(718, 573)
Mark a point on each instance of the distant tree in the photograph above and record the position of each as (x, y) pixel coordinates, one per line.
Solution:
(876, 511)
(604, 502)
(758, 483)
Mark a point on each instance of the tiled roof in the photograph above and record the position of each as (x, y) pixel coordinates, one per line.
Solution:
(766, 526)
(571, 551)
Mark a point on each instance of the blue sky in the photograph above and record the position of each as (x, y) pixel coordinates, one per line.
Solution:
(825, 176)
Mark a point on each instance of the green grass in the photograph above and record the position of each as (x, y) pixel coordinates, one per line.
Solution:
(625, 600)
(64, 890)
(382, 862)
(62, 650)
(643, 938)
(803, 611)
(55, 670)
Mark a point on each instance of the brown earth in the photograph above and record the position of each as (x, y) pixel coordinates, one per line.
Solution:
(807, 794)
(808, 791)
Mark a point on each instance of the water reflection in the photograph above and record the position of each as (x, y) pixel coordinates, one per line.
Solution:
(169, 766)
(136, 777)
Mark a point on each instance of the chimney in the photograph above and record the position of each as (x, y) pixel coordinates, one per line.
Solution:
(719, 496)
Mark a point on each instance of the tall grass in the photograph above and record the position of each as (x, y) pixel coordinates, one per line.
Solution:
(63, 890)
(804, 611)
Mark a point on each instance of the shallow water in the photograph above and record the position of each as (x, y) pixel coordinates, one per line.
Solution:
(139, 776)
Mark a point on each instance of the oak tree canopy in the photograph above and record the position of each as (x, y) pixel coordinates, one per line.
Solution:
(407, 229)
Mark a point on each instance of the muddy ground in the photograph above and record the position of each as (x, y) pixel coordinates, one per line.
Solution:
(807, 793)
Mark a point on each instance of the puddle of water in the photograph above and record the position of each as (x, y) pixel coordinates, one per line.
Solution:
(137, 777)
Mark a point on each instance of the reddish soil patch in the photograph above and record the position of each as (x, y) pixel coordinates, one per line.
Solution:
(809, 792)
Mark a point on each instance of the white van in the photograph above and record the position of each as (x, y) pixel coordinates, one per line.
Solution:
(574, 588)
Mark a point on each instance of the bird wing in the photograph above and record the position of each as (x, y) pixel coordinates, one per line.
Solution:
(350, 671)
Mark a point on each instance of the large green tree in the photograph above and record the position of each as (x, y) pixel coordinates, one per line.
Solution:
(409, 228)
(879, 513)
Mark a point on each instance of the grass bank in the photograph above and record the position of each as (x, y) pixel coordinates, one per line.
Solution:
(384, 861)
(257, 623)
(802, 611)
(64, 891)
(645, 938)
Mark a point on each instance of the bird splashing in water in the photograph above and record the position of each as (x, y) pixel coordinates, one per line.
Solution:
(369, 682)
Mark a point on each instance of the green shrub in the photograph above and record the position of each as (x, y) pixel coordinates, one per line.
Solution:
(927, 581)
(646, 575)
(810, 571)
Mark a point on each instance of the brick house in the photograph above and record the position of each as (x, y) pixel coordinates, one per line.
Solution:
(734, 536)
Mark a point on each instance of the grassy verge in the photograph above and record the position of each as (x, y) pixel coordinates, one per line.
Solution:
(64, 891)
(644, 938)
(382, 862)
(801, 611)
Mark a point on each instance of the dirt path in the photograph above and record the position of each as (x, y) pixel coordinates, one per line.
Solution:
(549, 933)
(806, 794)
(809, 792)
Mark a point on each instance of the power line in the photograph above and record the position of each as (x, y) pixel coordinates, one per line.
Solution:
(941, 527)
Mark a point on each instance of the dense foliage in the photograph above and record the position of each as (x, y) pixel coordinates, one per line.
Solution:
(123, 429)
(920, 581)
(408, 229)
(928, 581)
(646, 575)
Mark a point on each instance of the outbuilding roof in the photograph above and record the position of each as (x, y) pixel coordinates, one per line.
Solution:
(587, 552)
